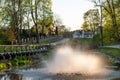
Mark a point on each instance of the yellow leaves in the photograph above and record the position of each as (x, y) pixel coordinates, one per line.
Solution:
(51, 27)
(10, 35)
(2, 66)
(46, 30)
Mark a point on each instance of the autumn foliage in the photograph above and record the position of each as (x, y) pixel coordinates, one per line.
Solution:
(10, 35)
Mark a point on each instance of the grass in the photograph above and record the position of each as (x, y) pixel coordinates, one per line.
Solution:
(86, 41)
(16, 62)
(48, 41)
(83, 40)
(79, 41)
(114, 52)
(1, 49)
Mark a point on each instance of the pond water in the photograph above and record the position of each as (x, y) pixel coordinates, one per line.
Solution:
(32, 73)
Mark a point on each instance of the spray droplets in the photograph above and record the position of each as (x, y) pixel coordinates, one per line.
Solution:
(69, 60)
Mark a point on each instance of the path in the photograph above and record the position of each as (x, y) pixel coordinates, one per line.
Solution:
(61, 41)
(113, 46)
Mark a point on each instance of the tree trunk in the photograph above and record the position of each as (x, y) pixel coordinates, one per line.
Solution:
(114, 24)
(36, 24)
(35, 20)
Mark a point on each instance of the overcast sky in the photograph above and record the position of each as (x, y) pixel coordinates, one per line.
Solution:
(71, 11)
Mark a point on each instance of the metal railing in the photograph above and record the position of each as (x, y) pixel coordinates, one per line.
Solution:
(11, 51)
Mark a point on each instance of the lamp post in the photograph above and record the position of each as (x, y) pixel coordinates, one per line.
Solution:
(101, 28)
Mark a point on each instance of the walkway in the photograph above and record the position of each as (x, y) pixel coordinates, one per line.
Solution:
(113, 46)
(61, 41)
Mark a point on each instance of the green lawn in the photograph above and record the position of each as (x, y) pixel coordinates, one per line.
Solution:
(114, 52)
(48, 41)
(83, 40)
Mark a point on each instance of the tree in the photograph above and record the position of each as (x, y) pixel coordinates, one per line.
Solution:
(12, 15)
(16, 15)
(47, 14)
(85, 25)
(91, 20)
(43, 8)
(57, 23)
(10, 35)
(110, 7)
(34, 14)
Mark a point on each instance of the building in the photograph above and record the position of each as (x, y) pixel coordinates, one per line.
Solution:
(82, 34)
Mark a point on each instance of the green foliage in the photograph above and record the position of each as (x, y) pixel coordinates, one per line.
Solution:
(15, 14)
(3, 37)
(108, 32)
(110, 20)
(113, 52)
(2, 66)
(84, 42)
(4, 42)
(16, 62)
(91, 20)
(85, 26)
(10, 35)
(96, 39)
(49, 41)
(20, 60)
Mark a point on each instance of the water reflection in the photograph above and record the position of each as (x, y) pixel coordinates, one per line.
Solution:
(35, 74)
(11, 76)
(14, 76)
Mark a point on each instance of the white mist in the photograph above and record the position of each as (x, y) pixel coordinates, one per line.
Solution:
(69, 60)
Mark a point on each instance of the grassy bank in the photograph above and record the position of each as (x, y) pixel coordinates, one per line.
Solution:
(22, 61)
(16, 62)
(48, 41)
(113, 52)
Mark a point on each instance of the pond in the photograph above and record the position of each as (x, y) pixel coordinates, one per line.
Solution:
(66, 64)
(39, 73)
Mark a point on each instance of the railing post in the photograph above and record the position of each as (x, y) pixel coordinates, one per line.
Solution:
(4, 49)
(4, 52)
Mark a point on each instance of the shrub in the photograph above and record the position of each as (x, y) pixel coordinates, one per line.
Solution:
(96, 39)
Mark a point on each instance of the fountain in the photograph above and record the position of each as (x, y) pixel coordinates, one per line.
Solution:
(68, 60)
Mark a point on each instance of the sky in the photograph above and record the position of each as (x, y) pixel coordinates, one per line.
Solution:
(71, 11)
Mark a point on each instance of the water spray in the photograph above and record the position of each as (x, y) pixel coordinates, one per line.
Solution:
(69, 60)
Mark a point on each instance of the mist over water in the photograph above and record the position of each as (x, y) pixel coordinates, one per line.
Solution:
(67, 59)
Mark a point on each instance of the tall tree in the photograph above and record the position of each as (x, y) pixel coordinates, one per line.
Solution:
(16, 14)
(13, 15)
(109, 7)
(91, 18)
(57, 23)
(47, 14)
(34, 14)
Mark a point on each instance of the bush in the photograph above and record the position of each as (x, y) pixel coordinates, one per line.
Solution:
(5, 42)
(96, 39)
(20, 60)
